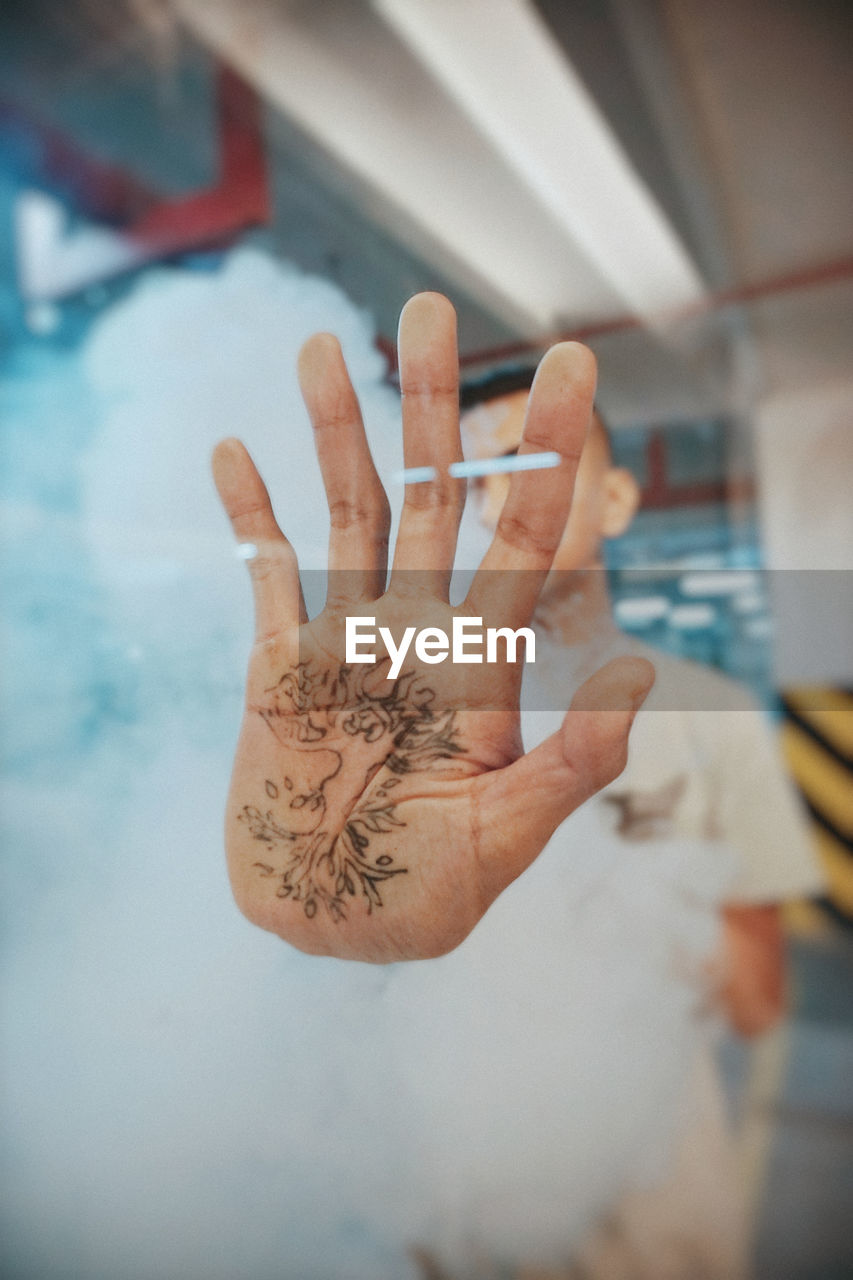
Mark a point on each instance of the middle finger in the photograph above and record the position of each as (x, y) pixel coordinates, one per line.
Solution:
(429, 382)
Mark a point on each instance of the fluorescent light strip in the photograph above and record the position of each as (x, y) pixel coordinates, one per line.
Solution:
(415, 475)
(692, 617)
(512, 462)
(536, 247)
(641, 610)
(480, 467)
(498, 59)
(719, 583)
(440, 178)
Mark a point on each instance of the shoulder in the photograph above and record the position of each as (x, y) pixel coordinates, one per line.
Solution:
(697, 724)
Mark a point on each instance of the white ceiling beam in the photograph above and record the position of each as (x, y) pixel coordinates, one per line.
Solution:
(352, 86)
(499, 61)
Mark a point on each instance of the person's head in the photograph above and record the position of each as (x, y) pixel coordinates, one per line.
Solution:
(605, 496)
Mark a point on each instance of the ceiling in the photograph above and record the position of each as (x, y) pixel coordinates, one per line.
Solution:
(708, 258)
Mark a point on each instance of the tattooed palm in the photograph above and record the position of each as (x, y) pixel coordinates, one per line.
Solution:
(326, 852)
(377, 819)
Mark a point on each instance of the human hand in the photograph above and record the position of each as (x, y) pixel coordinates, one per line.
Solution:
(373, 818)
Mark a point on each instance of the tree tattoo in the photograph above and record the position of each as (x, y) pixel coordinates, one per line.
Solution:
(327, 850)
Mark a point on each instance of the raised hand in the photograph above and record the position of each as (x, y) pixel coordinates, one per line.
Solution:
(375, 816)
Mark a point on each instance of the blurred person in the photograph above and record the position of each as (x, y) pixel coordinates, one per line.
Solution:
(694, 774)
(541, 1056)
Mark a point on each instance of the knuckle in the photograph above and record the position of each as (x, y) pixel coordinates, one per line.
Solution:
(335, 417)
(537, 440)
(618, 761)
(521, 536)
(347, 513)
(262, 568)
(612, 754)
(540, 442)
(249, 508)
(407, 585)
(434, 389)
(435, 498)
(266, 564)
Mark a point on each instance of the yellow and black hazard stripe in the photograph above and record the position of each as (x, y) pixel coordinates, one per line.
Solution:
(817, 738)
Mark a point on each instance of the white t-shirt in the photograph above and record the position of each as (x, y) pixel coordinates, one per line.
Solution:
(544, 1061)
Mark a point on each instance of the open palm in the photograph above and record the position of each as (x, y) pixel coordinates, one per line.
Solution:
(376, 817)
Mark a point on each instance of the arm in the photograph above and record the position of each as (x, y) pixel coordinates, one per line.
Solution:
(760, 816)
(753, 991)
(374, 817)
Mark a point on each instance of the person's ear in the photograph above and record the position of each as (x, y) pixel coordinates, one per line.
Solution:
(621, 500)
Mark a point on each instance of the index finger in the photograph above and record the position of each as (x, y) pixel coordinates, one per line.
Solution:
(513, 570)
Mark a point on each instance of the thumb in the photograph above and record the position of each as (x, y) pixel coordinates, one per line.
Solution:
(522, 805)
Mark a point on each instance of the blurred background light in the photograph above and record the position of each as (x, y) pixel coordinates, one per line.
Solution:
(641, 610)
(692, 617)
(717, 584)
